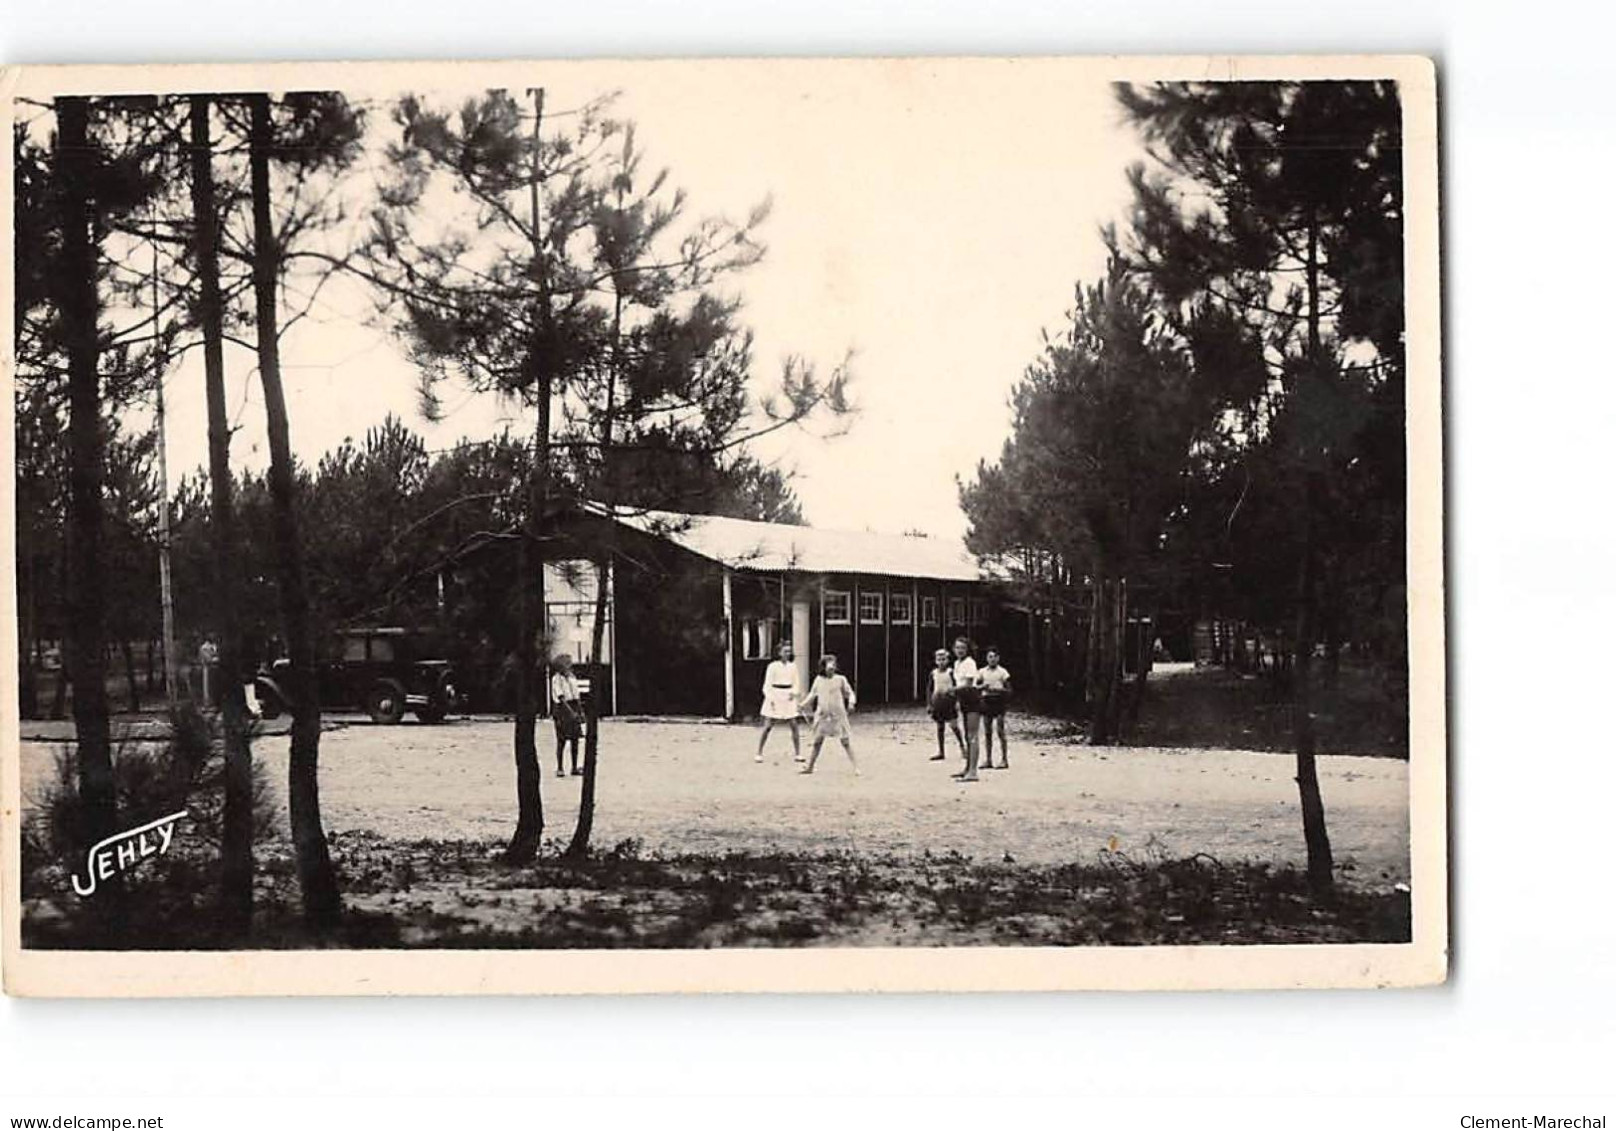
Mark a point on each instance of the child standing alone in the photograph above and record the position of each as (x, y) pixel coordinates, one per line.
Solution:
(566, 711)
(832, 698)
(941, 703)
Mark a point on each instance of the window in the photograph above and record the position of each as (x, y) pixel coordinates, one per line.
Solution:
(381, 649)
(571, 629)
(838, 607)
(928, 611)
(956, 610)
(757, 638)
(353, 649)
(903, 609)
(979, 612)
(872, 607)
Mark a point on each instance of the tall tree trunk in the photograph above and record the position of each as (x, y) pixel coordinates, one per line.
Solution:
(1109, 661)
(1143, 656)
(128, 652)
(1118, 644)
(59, 696)
(1102, 701)
(27, 686)
(1091, 650)
(533, 623)
(79, 307)
(597, 671)
(322, 904)
(28, 639)
(236, 876)
(1320, 865)
(597, 631)
(1057, 657)
(1035, 661)
(1332, 649)
(524, 844)
(1120, 696)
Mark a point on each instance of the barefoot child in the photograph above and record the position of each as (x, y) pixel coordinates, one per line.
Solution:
(832, 697)
(566, 711)
(942, 706)
(780, 695)
(970, 706)
(995, 682)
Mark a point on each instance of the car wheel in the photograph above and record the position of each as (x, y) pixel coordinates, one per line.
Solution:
(442, 702)
(385, 703)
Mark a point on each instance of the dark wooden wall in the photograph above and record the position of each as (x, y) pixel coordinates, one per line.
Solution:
(890, 660)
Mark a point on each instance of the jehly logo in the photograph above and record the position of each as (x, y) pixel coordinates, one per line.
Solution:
(122, 851)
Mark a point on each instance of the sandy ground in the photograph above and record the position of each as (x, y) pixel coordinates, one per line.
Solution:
(694, 787)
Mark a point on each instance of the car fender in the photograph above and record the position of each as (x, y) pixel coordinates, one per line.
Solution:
(268, 690)
(269, 681)
(391, 682)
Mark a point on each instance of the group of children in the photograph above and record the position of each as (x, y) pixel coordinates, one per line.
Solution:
(959, 690)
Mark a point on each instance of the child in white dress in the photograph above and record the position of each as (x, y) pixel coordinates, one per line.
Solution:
(781, 691)
(832, 698)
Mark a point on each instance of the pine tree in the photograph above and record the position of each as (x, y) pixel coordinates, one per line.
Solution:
(236, 846)
(494, 303)
(567, 287)
(79, 309)
(89, 177)
(1103, 427)
(1283, 207)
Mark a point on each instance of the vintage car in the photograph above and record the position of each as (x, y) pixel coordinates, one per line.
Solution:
(385, 672)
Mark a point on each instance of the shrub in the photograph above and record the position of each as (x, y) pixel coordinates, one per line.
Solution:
(152, 777)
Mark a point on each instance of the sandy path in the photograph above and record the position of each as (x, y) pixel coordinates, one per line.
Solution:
(685, 786)
(691, 786)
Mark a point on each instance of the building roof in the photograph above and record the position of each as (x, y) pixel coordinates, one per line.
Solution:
(774, 546)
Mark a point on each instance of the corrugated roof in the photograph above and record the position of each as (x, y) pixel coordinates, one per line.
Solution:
(743, 544)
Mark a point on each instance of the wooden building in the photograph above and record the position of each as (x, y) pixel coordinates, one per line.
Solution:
(698, 605)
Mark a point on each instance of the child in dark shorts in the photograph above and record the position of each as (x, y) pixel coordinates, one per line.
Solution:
(969, 693)
(941, 704)
(994, 681)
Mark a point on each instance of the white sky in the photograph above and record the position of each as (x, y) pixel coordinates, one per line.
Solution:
(929, 221)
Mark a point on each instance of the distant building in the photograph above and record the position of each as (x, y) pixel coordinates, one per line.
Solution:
(697, 606)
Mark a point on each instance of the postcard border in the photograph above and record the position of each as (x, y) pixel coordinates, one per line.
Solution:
(811, 970)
